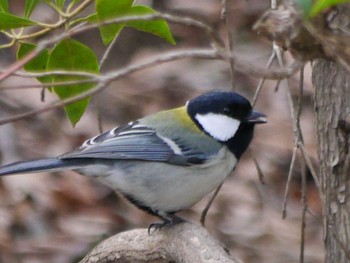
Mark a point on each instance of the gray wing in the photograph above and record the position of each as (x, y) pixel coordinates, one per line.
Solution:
(136, 142)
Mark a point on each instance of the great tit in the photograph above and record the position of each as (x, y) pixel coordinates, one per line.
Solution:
(167, 161)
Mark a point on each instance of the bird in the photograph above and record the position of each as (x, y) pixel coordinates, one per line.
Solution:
(165, 162)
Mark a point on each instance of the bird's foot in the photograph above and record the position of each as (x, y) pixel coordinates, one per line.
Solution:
(156, 226)
(170, 220)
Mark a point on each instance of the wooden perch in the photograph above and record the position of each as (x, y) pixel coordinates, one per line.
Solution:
(185, 242)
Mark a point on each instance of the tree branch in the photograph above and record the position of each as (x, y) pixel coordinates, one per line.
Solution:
(186, 242)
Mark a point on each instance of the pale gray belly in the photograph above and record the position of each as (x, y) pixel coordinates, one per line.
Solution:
(162, 186)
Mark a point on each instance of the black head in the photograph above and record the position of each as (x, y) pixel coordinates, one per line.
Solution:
(227, 117)
(220, 102)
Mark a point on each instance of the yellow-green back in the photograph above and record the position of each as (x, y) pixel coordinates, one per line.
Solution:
(177, 125)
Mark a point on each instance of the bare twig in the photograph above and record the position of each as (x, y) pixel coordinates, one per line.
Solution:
(216, 43)
(206, 209)
(55, 84)
(54, 105)
(215, 53)
(299, 133)
(258, 168)
(241, 66)
(79, 29)
(303, 213)
(19, 64)
(296, 129)
(101, 64)
(42, 94)
(262, 81)
(309, 165)
(278, 52)
(298, 139)
(103, 81)
(187, 21)
(300, 103)
(224, 17)
(107, 52)
(53, 73)
(289, 179)
(99, 120)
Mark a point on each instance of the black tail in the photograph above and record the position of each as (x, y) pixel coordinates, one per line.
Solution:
(38, 165)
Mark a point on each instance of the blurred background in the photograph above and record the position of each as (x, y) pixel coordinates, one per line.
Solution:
(60, 217)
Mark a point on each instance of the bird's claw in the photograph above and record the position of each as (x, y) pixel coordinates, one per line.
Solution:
(173, 220)
(156, 226)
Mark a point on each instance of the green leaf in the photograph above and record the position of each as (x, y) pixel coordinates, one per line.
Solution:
(156, 27)
(4, 6)
(71, 55)
(109, 9)
(60, 3)
(37, 64)
(29, 7)
(8, 21)
(322, 5)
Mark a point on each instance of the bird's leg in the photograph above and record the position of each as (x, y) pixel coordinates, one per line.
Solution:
(168, 220)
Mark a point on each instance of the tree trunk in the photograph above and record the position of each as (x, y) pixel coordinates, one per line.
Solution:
(332, 108)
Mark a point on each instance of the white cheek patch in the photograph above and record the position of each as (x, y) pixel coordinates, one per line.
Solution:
(220, 127)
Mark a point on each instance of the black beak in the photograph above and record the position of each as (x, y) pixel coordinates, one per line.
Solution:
(256, 118)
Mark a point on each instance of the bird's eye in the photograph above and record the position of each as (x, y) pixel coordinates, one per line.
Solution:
(227, 111)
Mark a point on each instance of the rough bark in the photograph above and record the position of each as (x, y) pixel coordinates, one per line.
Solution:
(332, 108)
(184, 242)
